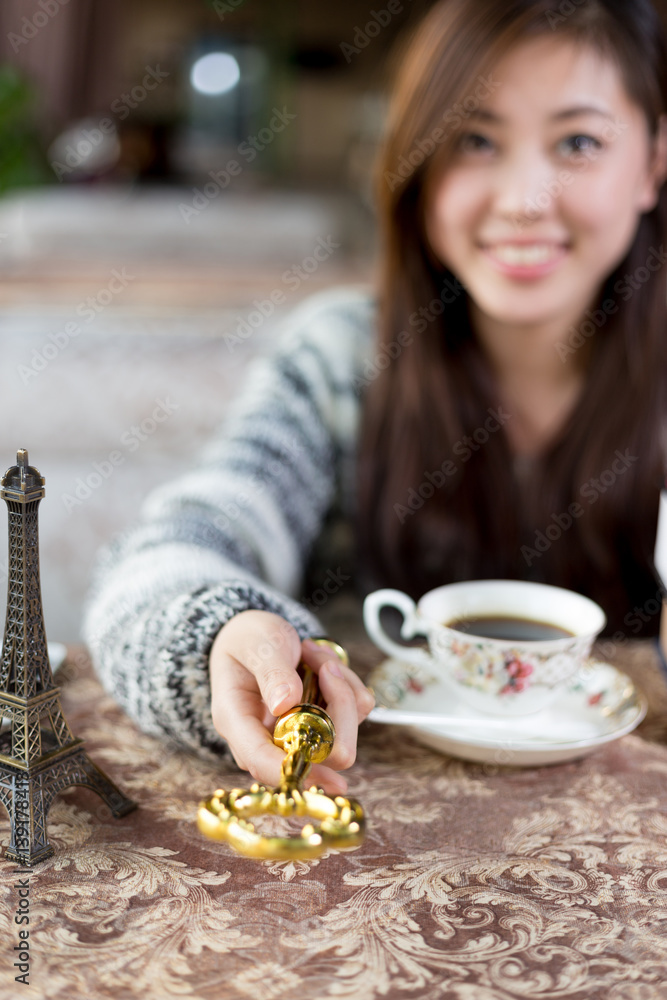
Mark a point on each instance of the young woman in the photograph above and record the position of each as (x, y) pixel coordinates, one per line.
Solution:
(497, 410)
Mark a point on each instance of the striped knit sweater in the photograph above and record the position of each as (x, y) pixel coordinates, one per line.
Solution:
(237, 532)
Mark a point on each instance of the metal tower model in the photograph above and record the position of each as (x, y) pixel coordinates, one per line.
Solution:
(39, 756)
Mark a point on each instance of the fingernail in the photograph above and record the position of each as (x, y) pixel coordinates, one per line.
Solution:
(277, 696)
(333, 668)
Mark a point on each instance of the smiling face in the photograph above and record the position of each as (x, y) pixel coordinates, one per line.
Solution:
(542, 199)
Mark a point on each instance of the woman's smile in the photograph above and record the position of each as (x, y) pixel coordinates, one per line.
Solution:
(522, 260)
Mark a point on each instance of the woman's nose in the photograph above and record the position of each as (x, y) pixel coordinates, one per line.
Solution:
(527, 186)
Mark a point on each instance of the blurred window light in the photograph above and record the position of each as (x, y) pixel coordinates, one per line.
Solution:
(87, 148)
(214, 126)
(215, 73)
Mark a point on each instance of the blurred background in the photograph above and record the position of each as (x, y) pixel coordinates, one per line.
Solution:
(168, 169)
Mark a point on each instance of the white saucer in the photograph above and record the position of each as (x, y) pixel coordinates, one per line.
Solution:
(57, 653)
(599, 705)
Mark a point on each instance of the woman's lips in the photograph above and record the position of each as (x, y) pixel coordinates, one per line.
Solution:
(525, 260)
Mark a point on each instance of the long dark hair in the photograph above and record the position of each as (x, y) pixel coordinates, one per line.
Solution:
(423, 522)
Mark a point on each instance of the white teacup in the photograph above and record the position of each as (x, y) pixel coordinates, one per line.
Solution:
(497, 676)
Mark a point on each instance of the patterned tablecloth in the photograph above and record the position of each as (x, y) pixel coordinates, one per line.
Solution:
(476, 881)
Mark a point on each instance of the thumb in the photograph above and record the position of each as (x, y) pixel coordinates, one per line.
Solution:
(270, 650)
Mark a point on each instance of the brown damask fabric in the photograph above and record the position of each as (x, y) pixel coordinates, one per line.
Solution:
(475, 882)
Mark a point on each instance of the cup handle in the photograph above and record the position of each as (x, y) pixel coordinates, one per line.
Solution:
(412, 626)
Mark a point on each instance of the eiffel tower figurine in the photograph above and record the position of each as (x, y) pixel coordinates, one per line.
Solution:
(39, 756)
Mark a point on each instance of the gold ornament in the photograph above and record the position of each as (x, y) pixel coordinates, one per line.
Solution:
(306, 734)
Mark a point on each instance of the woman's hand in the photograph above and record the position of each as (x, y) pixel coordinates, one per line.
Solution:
(253, 665)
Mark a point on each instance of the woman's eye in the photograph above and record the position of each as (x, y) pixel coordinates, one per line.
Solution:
(580, 144)
(472, 142)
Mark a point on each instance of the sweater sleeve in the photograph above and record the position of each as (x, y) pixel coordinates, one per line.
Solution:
(234, 533)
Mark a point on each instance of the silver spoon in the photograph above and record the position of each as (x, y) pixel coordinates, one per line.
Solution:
(394, 717)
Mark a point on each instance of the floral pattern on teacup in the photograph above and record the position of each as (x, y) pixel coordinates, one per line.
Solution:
(394, 679)
(518, 672)
(506, 671)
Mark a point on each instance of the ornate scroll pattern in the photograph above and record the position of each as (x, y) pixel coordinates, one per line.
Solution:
(484, 883)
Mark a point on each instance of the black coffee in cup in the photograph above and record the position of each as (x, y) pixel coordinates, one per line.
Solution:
(510, 628)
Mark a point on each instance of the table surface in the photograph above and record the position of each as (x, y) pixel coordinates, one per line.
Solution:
(475, 882)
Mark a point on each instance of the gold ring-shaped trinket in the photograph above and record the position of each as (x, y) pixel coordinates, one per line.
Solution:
(226, 816)
(306, 734)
